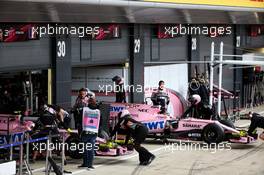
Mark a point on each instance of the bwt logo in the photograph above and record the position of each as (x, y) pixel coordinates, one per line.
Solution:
(116, 108)
(4, 139)
(155, 125)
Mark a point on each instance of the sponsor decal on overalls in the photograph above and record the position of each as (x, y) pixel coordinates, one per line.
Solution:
(91, 119)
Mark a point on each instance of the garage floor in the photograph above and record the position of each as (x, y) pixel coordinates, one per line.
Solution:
(173, 159)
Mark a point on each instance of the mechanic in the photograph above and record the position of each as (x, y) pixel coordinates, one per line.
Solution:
(199, 87)
(257, 121)
(197, 108)
(161, 97)
(62, 116)
(47, 123)
(81, 101)
(88, 136)
(120, 90)
(138, 132)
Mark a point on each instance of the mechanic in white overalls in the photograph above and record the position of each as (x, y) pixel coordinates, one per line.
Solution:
(161, 97)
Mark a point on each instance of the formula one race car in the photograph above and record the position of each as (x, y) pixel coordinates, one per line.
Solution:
(13, 125)
(12, 129)
(179, 127)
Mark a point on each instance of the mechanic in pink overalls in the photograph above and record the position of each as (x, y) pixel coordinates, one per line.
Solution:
(138, 132)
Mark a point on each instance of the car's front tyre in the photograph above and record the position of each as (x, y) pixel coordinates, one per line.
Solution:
(213, 133)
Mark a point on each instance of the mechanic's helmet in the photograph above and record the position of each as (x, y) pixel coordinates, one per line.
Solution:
(261, 136)
(90, 93)
(195, 99)
(124, 113)
(250, 114)
(49, 108)
(45, 107)
(117, 79)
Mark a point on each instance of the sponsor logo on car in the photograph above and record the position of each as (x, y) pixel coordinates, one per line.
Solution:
(132, 105)
(190, 125)
(116, 108)
(4, 139)
(194, 135)
(143, 110)
(154, 125)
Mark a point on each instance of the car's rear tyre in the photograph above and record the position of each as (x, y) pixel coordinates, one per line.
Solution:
(213, 133)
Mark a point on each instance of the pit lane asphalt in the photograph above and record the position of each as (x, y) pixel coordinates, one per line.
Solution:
(239, 160)
(180, 159)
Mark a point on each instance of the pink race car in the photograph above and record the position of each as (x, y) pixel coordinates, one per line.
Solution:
(176, 127)
(166, 126)
(12, 125)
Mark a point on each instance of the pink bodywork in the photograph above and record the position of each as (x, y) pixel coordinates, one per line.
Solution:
(140, 112)
(245, 140)
(177, 102)
(119, 151)
(156, 123)
(15, 125)
(148, 113)
(192, 123)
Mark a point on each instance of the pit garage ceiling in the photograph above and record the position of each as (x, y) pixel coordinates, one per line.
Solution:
(122, 11)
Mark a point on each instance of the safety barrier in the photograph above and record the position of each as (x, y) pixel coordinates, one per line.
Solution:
(21, 153)
(19, 143)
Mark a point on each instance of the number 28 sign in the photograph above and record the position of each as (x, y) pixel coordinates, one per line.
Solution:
(136, 45)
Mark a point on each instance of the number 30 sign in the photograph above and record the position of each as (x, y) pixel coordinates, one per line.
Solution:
(61, 49)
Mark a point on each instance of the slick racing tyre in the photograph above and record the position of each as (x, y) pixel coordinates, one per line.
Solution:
(213, 133)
